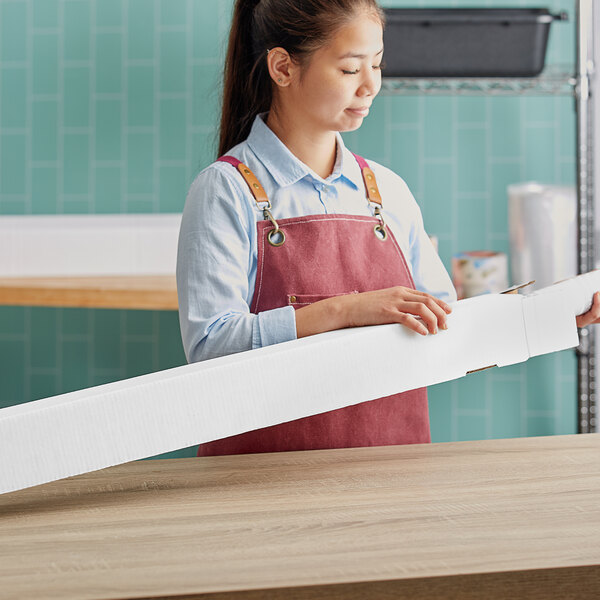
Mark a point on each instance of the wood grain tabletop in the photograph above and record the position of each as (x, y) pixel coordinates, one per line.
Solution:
(150, 292)
(514, 518)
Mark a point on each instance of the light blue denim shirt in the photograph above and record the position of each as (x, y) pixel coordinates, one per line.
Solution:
(217, 253)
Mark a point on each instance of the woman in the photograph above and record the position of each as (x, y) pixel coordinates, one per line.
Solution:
(289, 234)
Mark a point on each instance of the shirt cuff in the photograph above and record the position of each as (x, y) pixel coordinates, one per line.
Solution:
(274, 327)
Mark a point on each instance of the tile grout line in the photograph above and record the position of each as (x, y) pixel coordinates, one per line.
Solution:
(124, 201)
(92, 200)
(489, 391)
(189, 91)
(28, 345)
(454, 227)
(60, 103)
(58, 380)
(158, 106)
(524, 370)
(558, 392)
(158, 19)
(2, 64)
(124, 162)
(28, 111)
(387, 111)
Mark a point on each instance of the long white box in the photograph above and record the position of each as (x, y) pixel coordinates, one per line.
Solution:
(99, 427)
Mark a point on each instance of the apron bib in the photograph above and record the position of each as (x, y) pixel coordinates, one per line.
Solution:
(323, 256)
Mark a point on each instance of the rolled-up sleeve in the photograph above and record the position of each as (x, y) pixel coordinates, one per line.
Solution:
(214, 261)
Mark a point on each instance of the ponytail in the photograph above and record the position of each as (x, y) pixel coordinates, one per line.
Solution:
(299, 26)
(247, 87)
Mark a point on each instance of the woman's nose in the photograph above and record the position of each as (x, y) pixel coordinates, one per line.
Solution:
(371, 83)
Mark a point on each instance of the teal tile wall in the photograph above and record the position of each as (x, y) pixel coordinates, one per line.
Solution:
(110, 106)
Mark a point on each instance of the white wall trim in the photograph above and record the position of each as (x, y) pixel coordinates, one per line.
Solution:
(82, 245)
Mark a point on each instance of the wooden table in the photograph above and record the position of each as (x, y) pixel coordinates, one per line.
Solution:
(139, 292)
(516, 518)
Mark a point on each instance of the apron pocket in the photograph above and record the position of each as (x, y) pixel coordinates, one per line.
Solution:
(300, 300)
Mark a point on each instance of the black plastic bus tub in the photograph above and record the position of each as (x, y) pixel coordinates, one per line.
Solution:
(466, 42)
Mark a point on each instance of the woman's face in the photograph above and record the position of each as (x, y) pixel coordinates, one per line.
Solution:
(338, 85)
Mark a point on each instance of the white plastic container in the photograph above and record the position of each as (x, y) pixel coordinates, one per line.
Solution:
(542, 222)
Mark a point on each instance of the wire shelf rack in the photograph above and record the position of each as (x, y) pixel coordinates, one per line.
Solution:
(555, 80)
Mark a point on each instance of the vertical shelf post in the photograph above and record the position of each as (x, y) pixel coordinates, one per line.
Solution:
(586, 408)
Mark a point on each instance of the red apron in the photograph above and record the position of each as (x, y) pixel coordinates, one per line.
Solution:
(324, 256)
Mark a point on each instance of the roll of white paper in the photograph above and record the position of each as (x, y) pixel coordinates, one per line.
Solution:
(542, 225)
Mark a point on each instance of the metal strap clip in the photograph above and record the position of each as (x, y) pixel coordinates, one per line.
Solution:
(380, 230)
(275, 236)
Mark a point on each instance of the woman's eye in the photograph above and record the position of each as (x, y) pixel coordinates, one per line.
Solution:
(376, 67)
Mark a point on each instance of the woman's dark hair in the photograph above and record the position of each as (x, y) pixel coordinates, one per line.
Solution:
(299, 26)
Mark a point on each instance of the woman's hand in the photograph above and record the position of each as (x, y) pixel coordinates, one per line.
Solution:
(398, 305)
(591, 316)
(392, 305)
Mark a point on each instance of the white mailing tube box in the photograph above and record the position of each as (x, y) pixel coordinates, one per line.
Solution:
(136, 418)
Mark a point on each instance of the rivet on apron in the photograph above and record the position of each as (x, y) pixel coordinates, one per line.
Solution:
(380, 232)
(276, 237)
(293, 299)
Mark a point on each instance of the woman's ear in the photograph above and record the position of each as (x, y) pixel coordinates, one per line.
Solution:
(281, 67)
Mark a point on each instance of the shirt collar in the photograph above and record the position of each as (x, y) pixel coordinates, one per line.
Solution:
(286, 169)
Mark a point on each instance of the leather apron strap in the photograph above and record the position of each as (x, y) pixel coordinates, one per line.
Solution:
(276, 236)
(255, 187)
(260, 196)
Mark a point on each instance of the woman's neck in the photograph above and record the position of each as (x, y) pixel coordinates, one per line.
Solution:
(316, 149)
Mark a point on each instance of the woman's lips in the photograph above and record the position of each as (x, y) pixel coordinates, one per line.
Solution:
(359, 112)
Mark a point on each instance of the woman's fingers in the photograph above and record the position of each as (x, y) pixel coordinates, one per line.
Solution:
(445, 307)
(593, 315)
(412, 323)
(429, 310)
(419, 311)
(427, 314)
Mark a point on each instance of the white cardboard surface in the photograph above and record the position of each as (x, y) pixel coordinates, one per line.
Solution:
(88, 245)
(111, 424)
